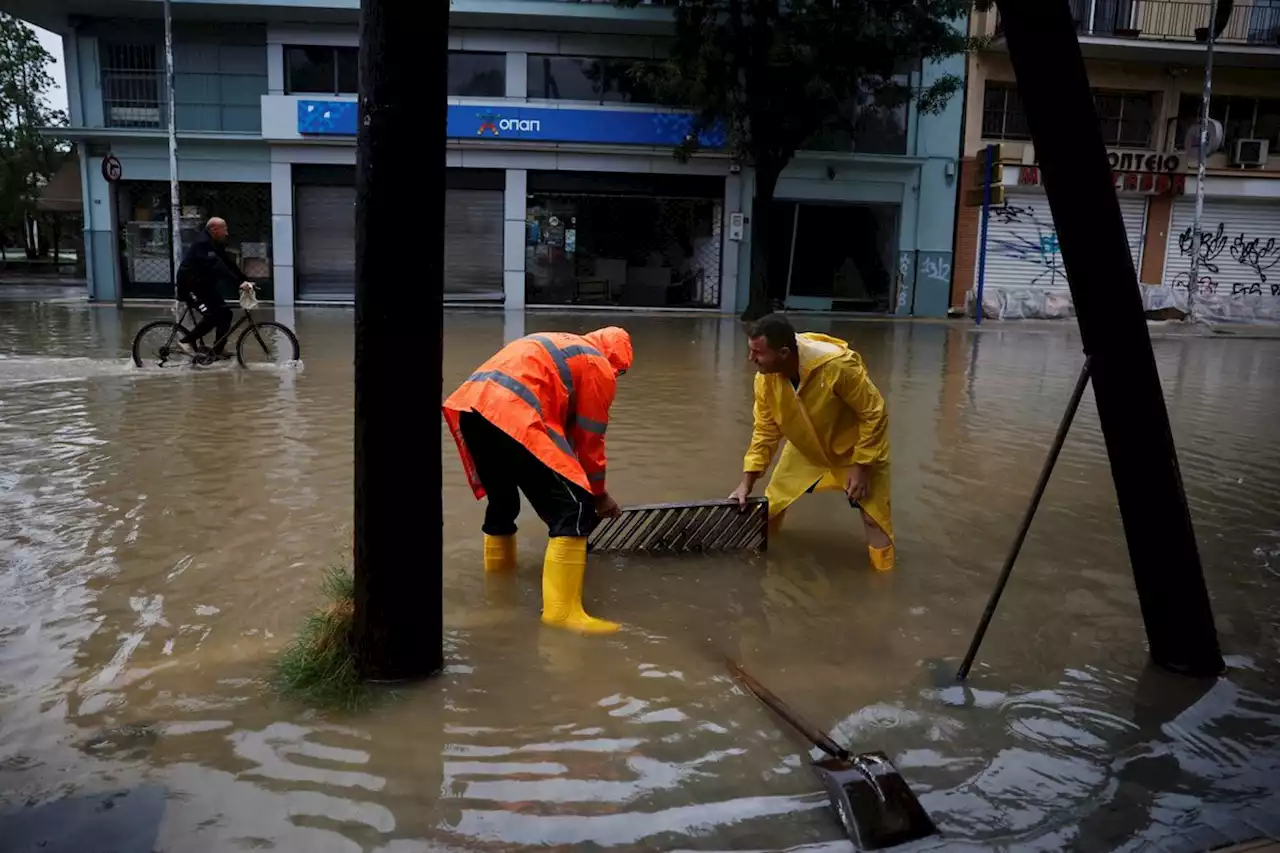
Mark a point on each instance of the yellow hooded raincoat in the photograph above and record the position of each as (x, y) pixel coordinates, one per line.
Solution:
(835, 420)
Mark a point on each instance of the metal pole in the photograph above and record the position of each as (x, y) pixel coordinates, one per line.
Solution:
(1056, 448)
(1054, 87)
(175, 209)
(982, 239)
(1202, 156)
(398, 625)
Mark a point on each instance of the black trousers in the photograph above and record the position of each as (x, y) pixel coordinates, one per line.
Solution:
(215, 316)
(506, 468)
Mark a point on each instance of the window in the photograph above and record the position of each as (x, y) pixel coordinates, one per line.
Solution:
(477, 75)
(1002, 116)
(568, 78)
(322, 70)
(131, 87)
(1126, 118)
(1241, 117)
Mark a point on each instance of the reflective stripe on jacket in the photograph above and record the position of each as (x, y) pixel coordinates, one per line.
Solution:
(551, 392)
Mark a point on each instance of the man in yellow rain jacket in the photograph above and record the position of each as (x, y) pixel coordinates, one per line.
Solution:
(814, 391)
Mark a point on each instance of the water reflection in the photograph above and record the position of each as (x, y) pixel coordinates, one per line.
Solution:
(161, 536)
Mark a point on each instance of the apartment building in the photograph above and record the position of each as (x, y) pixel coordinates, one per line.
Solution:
(1145, 60)
(562, 188)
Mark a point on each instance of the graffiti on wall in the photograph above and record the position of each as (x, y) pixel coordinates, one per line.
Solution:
(1039, 250)
(1235, 266)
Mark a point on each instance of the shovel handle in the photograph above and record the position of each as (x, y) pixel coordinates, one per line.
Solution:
(812, 733)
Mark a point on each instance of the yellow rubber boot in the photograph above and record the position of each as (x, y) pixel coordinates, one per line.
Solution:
(562, 574)
(499, 553)
(881, 558)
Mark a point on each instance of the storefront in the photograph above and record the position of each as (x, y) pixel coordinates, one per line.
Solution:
(1239, 270)
(1024, 274)
(324, 201)
(621, 239)
(142, 209)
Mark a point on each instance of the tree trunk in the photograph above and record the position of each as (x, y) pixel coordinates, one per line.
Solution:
(761, 221)
(1054, 91)
(400, 179)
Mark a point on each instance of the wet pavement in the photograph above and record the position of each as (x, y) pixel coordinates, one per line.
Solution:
(162, 534)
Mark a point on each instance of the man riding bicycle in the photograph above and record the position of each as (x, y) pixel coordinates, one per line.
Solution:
(205, 266)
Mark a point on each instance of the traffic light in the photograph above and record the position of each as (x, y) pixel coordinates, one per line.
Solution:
(996, 153)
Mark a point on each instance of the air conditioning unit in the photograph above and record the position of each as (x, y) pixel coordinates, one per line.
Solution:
(1250, 152)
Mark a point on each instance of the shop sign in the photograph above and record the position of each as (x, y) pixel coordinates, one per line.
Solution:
(1151, 174)
(527, 124)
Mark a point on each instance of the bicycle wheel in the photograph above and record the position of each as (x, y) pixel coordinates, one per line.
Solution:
(265, 344)
(156, 345)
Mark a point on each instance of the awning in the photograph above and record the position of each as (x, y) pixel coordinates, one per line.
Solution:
(63, 193)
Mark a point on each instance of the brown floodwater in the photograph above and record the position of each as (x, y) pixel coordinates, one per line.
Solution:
(162, 535)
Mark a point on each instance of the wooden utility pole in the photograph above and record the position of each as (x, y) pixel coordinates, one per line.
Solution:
(400, 172)
(1054, 90)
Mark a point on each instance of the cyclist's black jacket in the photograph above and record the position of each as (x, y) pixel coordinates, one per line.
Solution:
(207, 271)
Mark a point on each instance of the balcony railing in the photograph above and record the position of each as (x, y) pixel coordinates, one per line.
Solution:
(1257, 23)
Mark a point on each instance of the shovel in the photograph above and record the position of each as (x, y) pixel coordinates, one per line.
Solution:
(872, 800)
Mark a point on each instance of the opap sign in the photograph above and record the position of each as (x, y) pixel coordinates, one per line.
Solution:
(494, 124)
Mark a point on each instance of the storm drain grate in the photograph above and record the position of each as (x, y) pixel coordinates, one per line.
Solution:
(686, 528)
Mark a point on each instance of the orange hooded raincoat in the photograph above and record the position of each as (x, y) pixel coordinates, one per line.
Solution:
(551, 392)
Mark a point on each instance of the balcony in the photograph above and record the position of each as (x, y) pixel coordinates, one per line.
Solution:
(1152, 25)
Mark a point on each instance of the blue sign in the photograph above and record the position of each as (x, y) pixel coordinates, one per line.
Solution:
(608, 127)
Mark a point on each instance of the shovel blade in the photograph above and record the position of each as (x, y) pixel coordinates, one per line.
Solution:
(874, 819)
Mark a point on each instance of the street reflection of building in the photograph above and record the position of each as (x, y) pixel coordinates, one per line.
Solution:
(1146, 67)
(561, 188)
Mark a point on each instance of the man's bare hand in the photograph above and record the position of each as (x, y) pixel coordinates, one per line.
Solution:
(607, 507)
(857, 482)
(743, 491)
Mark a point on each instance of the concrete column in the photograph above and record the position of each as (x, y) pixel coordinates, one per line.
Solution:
(513, 229)
(729, 248)
(517, 75)
(275, 69)
(282, 232)
(101, 265)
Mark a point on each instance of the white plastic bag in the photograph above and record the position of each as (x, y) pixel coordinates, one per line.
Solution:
(248, 297)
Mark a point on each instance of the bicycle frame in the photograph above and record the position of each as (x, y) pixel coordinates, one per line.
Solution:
(245, 317)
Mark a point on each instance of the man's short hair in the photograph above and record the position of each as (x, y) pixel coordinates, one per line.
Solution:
(776, 330)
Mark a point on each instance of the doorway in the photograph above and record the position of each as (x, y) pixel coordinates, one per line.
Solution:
(833, 256)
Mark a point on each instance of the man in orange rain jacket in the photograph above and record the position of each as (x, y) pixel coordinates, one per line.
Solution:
(532, 419)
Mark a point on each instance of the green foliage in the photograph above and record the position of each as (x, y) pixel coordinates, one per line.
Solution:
(27, 157)
(319, 666)
(779, 73)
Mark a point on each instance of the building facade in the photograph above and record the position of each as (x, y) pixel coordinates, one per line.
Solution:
(562, 187)
(1145, 61)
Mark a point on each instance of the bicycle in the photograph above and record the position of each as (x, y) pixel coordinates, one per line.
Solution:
(252, 343)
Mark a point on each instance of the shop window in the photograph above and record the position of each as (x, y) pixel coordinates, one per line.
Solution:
(131, 85)
(623, 250)
(1002, 115)
(477, 75)
(568, 78)
(1241, 117)
(143, 210)
(1126, 118)
(322, 70)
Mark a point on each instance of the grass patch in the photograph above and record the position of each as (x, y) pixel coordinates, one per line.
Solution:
(319, 666)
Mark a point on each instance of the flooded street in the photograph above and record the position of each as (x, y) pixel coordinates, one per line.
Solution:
(162, 535)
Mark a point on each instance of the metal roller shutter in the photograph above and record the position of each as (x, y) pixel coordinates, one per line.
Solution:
(1239, 258)
(473, 244)
(325, 225)
(1022, 243)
